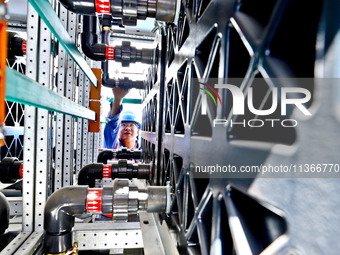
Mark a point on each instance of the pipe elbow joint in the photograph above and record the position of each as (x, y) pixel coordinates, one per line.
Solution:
(93, 50)
(104, 156)
(107, 82)
(10, 170)
(84, 7)
(4, 214)
(59, 214)
(16, 45)
(89, 173)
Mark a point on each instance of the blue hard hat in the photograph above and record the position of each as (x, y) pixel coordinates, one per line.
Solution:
(129, 116)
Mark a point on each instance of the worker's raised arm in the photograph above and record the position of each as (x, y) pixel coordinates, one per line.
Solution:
(118, 94)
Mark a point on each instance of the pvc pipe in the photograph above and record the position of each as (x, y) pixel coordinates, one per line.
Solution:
(4, 214)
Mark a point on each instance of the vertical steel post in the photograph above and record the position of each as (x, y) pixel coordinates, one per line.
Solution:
(69, 121)
(30, 123)
(42, 142)
(79, 144)
(59, 148)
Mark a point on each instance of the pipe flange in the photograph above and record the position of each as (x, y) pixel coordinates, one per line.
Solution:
(116, 8)
(142, 9)
(133, 200)
(123, 167)
(158, 199)
(166, 10)
(126, 53)
(147, 56)
(130, 12)
(133, 54)
(152, 8)
(120, 200)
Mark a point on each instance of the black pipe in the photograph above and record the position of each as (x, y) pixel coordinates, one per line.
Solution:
(123, 153)
(16, 46)
(89, 40)
(88, 7)
(90, 48)
(60, 209)
(89, 173)
(98, 51)
(4, 214)
(128, 11)
(10, 170)
(106, 81)
(104, 156)
(85, 7)
(112, 83)
(121, 169)
(102, 52)
(126, 54)
(125, 83)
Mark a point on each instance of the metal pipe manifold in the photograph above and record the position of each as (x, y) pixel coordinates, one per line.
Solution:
(128, 199)
(112, 83)
(125, 53)
(121, 200)
(128, 10)
(125, 199)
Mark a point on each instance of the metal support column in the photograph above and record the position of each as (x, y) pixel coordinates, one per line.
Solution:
(42, 144)
(30, 123)
(69, 121)
(86, 136)
(79, 148)
(62, 63)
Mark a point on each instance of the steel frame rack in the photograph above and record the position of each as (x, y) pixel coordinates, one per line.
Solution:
(49, 133)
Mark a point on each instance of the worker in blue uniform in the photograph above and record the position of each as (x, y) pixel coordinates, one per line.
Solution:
(123, 128)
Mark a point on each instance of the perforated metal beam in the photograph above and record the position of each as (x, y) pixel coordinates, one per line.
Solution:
(43, 141)
(30, 124)
(59, 136)
(23, 90)
(69, 94)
